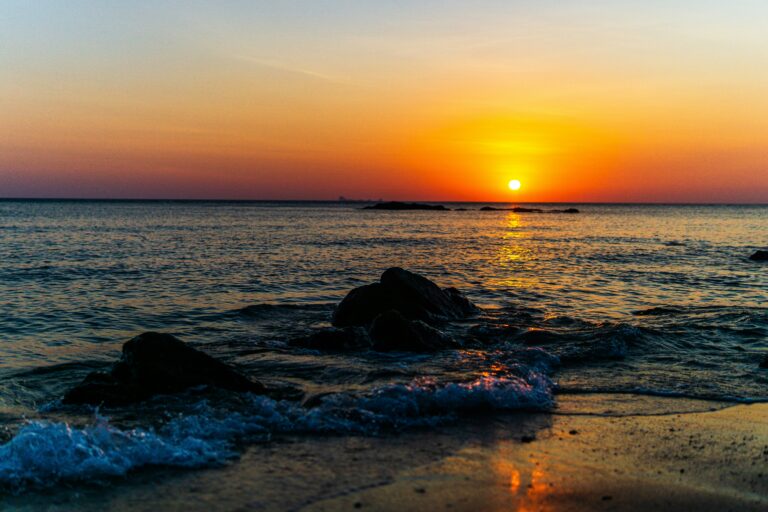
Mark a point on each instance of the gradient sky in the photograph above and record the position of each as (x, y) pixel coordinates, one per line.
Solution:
(651, 100)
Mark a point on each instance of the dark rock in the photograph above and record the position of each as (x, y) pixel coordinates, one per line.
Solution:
(335, 339)
(462, 303)
(396, 205)
(520, 209)
(98, 388)
(155, 363)
(759, 256)
(392, 331)
(416, 297)
(363, 304)
(517, 209)
(764, 362)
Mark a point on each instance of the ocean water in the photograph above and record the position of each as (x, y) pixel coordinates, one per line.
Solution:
(629, 299)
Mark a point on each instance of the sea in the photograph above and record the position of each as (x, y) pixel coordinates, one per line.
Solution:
(622, 299)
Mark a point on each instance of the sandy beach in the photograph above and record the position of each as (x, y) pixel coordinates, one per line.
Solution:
(593, 454)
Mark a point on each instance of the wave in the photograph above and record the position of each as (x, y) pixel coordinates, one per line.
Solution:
(44, 453)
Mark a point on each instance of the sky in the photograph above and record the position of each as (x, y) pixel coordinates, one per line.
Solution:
(596, 100)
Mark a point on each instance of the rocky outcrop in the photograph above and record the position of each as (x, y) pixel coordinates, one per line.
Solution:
(397, 205)
(334, 339)
(391, 331)
(155, 363)
(759, 256)
(392, 315)
(520, 209)
(413, 296)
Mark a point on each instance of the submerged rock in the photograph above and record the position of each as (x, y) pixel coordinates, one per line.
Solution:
(412, 295)
(335, 339)
(392, 331)
(759, 256)
(156, 363)
(397, 205)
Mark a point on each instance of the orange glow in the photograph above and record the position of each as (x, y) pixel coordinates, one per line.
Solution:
(249, 103)
(528, 484)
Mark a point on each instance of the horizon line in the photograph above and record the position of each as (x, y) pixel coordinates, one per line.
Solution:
(342, 201)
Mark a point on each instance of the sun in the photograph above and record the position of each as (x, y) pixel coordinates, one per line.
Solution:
(514, 184)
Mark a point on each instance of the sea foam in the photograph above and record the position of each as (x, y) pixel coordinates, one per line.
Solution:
(43, 453)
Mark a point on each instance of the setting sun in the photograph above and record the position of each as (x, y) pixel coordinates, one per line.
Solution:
(514, 184)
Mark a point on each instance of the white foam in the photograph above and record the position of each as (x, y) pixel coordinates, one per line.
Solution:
(43, 453)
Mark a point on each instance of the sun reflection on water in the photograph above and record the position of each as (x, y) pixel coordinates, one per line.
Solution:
(515, 254)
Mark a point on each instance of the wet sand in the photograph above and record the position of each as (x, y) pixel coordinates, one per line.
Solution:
(590, 455)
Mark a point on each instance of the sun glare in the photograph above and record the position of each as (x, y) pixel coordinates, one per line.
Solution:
(514, 184)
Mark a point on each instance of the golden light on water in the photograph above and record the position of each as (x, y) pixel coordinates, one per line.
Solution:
(514, 184)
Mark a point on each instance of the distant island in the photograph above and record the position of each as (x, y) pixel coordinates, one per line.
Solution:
(397, 205)
(520, 209)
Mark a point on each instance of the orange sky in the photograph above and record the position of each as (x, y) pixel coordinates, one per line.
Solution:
(580, 101)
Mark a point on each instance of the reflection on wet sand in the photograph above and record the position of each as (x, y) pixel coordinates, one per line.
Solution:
(528, 484)
(577, 462)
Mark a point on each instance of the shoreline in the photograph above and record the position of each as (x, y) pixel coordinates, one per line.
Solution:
(589, 454)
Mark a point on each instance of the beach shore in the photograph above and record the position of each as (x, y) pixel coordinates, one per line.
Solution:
(596, 452)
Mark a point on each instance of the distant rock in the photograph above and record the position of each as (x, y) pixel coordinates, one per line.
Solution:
(520, 209)
(517, 209)
(412, 295)
(764, 362)
(335, 339)
(396, 205)
(155, 363)
(759, 256)
(391, 331)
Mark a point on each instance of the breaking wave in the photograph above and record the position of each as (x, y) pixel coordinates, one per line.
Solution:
(44, 453)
